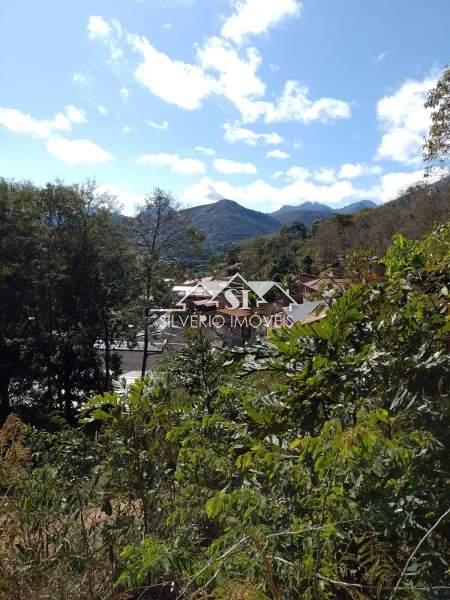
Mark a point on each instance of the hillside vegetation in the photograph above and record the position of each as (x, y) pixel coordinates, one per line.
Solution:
(414, 214)
(328, 243)
(308, 212)
(314, 467)
(225, 223)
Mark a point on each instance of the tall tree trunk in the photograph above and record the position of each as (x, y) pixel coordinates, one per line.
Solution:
(146, 340)
(146, 323)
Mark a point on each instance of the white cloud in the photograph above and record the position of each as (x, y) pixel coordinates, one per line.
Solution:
(294, 104)
(128, 201)
(221, 70)
(71, 152)
(277, 153)
(257, 16)
(185, 166)
(167, 26)
(231, 167)
(325, 175)
(235, 133)
(204, 150)
(298, 173)
(19, 122)
(173, 81)
(208, 190)
(156, 125)
(127, 129)
(401, 145)
(81, 79)
(77, 152)
(75, 115)
(301, 186)
(392, 185)
(238, 81)
(235, 74)
(353, 170)
(110, 33)
(333, 194)
(98, 28)
(405, 121)
(102, 110)
(124, 93)
(261, 194)
(328, 176)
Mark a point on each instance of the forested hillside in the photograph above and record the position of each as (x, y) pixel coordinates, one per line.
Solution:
(414, 214)
(327, 243)
(308, 212)
(225, 223)
(305, 213)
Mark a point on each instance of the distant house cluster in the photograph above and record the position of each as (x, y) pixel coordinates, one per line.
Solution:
(244, 310)
(234, 311)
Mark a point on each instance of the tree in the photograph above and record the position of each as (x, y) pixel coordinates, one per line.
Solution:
(437, 145)
(161, 232)
(294, 230)
(115, 285)
(66, 282)
(18, 252)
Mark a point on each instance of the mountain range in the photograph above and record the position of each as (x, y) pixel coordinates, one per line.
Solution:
(225, 222)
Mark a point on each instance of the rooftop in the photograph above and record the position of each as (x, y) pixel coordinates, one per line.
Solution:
(306, 312)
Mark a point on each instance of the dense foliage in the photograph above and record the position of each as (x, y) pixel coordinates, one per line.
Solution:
(270, 257)
(74, 277)
(316, 466)
(65, 283)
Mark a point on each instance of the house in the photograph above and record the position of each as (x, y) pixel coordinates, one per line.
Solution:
(235, 330)
(195, 294)
(240, 310)
(304, 277)
(308, 312)
(314, 288)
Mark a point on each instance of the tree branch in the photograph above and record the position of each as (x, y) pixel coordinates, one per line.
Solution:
(427, 534)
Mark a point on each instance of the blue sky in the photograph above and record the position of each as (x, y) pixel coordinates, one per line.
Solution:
(267, 102)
